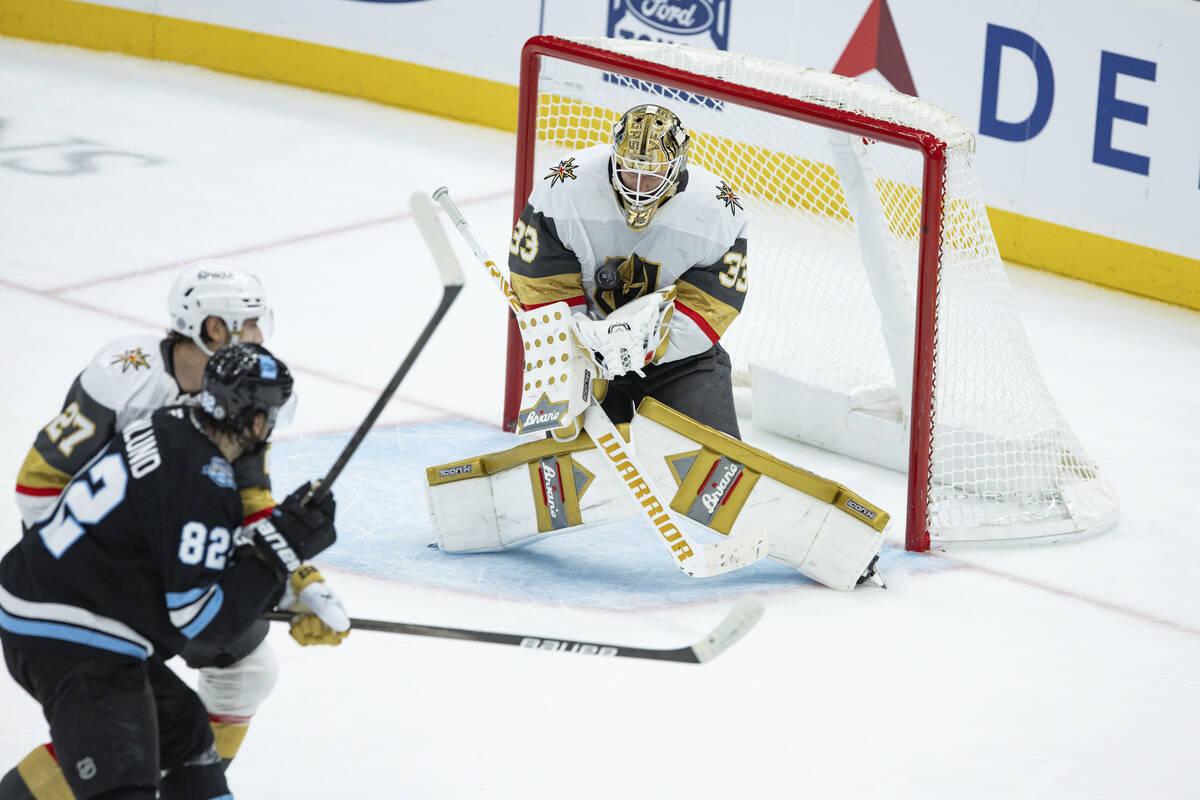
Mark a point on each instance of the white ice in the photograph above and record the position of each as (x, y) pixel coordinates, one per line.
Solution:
(1064, 671)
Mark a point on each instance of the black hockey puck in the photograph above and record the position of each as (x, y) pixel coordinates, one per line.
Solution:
(607, 277)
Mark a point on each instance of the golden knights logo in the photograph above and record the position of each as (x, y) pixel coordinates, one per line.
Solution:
(134, 359)
(619, 281)
(564, 170)
(731, 201)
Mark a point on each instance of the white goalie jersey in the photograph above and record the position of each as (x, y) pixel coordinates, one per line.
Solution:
(572, 244)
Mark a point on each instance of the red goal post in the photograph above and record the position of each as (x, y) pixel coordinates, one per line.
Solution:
(725, 99)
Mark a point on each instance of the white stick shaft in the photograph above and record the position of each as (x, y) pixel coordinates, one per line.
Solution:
(442, 196)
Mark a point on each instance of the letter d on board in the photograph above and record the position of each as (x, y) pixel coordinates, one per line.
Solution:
(999, 38)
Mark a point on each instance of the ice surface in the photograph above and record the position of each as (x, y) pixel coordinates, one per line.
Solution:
(1066, 671)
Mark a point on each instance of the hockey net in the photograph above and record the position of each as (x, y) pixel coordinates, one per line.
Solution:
(879, 320)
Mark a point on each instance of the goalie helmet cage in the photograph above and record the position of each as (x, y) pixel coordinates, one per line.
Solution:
(879, 321)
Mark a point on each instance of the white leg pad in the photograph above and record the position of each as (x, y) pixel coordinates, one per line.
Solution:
(827, 546)
(519, 496)
(813, 525)
(239, 689)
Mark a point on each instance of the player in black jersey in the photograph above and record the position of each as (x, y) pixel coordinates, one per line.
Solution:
(142, 554)
(210, 304)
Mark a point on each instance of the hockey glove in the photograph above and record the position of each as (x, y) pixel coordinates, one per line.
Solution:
(296, 531)
(309, 629)
(318, 614)
(636, 334)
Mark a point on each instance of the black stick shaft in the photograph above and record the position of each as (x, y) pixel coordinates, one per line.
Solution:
(448, 296)
(740, 619)
(682, 654)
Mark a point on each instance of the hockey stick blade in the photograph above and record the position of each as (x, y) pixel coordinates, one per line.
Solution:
(451, 276)
(745, 613)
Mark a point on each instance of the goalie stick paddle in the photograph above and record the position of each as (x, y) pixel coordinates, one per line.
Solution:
(452, 282)
(697, 560)
(745, 613)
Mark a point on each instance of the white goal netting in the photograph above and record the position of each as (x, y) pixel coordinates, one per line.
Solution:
(825, 341)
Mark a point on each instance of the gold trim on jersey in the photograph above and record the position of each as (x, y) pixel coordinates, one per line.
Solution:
(36, 473)
(714, 444)
(546, 289)
(255, 499)
(718, 315)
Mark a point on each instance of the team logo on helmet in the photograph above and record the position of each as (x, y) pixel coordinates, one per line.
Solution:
(219, 472)
(133, 359)
(209, 404)
(731, 200)
(564, 170)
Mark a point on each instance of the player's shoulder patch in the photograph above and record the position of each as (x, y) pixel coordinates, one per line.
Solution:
(121, 370)
(220, 472)
(130, 356)
(133, 358)
(563, 172)
(726, 195)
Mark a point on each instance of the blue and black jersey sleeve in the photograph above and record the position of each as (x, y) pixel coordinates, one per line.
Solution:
(209, 593)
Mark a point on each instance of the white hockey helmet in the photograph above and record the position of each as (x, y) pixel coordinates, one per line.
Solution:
(217, 289)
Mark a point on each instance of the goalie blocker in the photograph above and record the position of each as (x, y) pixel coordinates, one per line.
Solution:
(544, 488)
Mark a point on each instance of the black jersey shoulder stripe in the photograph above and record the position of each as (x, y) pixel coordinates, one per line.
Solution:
(82, 428)
(540, 251)
(721, 279)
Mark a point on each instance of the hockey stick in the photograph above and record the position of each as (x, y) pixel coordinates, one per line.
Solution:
(697, 560)
(452, 282)
(745, 613)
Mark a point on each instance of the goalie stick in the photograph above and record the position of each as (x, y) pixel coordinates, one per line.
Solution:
(697, 560)
(745, 613)
(452, 282)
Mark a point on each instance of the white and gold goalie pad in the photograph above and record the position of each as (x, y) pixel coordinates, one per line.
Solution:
(518, 496)
(814, 525)
(559, 374)
(540, 489)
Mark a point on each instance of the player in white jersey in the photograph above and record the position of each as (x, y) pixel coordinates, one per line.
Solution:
(211, 304)
(613, 224)
(648, 254)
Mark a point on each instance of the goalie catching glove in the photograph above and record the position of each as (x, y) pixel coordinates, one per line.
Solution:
(634, 335)
(297, 530)
(318, 616)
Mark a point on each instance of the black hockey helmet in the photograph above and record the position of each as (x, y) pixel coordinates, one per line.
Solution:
(241, 380)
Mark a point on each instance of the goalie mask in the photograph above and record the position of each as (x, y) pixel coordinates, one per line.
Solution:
(217, 289)
(242, 380)
(649, 154)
